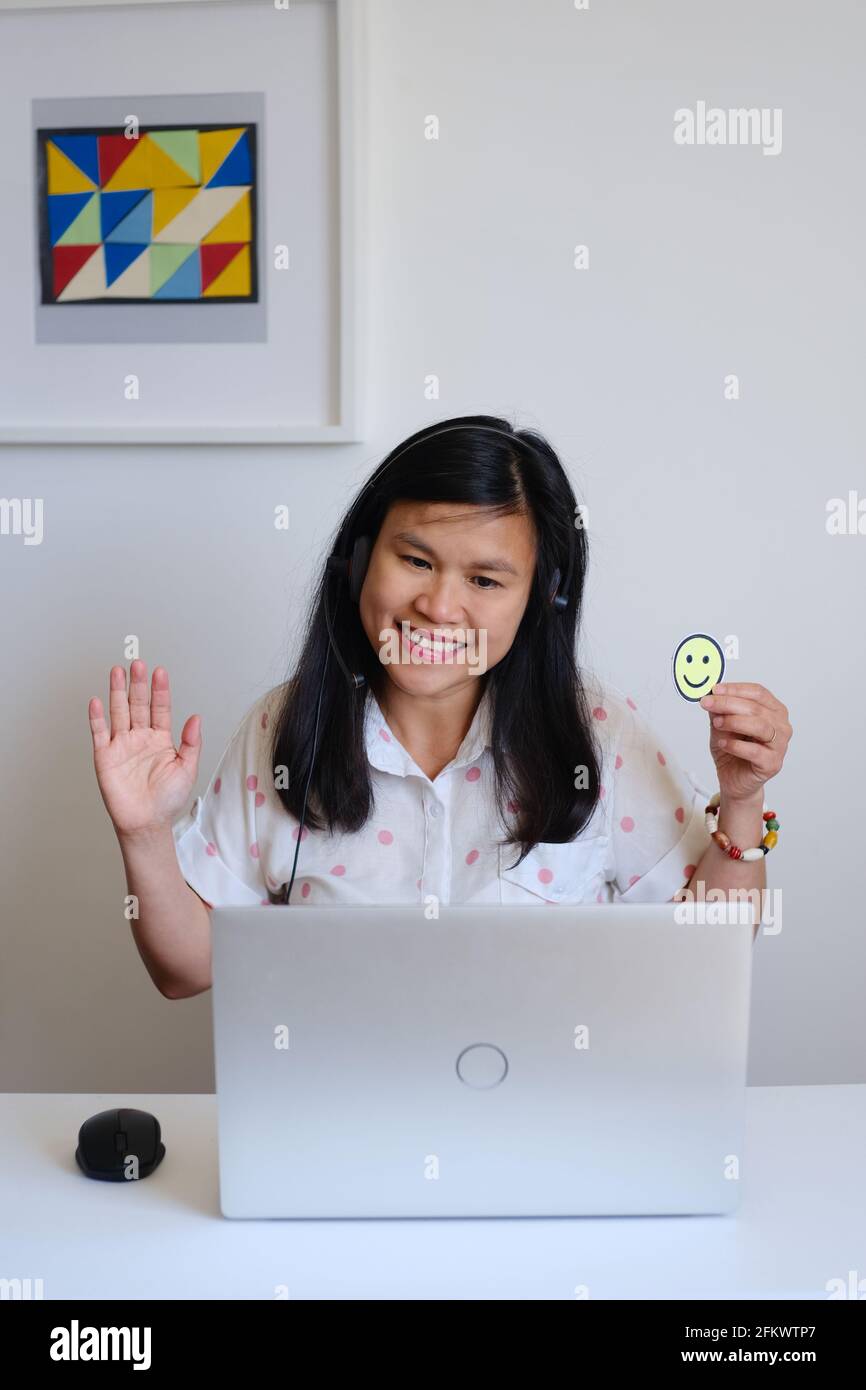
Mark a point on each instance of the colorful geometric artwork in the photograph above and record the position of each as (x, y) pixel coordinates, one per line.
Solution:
(166, 217)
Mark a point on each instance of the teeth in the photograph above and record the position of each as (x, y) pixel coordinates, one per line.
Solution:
(434, 644)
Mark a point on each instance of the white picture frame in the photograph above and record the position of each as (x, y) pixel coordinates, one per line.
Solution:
(345, 308)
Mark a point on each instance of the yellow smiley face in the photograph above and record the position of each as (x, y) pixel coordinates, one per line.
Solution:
(699, 664)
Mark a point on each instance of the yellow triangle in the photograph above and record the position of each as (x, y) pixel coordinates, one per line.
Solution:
(167, 203)
(213, 146)
(63, 175)
(235, 279)
(164, 172)
(134, 172)
(236, 225)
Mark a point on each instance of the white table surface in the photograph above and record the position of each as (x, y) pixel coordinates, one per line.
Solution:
(801, 1221)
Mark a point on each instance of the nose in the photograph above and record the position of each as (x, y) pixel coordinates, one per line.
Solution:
(437, 600)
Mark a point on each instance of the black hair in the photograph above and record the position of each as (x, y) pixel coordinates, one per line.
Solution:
(542, 726)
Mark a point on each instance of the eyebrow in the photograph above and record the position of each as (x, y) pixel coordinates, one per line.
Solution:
(497, 564)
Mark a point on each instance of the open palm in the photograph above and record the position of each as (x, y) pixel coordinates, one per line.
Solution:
(144, 780)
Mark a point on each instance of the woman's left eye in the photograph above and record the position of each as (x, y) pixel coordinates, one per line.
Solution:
(493, 583)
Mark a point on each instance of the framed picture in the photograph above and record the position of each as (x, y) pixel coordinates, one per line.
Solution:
(183, 221)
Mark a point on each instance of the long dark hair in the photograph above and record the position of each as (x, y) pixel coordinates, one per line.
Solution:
(542, 728)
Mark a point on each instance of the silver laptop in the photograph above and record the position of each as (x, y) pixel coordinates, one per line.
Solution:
(496, 1061)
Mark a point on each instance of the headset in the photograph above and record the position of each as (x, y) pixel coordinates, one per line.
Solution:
(353, 569)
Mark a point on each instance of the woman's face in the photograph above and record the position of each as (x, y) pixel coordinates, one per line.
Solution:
(432, 579)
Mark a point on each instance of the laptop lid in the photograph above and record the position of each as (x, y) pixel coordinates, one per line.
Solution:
(495, 1061)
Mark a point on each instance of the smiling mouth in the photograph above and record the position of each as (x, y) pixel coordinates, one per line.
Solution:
(696, 685)
(426, 642)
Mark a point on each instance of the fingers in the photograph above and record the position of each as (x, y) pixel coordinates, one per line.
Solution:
(757, 754)
(160, 700)
(190, 741)
(98, 726)
(751, 726)
(118, 703)
(139, 701)
(745, 691)
(136, 710)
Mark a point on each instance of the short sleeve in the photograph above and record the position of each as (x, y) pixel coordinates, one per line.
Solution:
(656, 810)
(216, 842)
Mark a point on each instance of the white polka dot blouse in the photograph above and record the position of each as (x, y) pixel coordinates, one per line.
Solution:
(425, 838)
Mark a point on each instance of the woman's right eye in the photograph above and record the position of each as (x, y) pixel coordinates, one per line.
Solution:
(414, 557)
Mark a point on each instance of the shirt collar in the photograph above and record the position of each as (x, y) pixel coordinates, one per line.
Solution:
(388, 754)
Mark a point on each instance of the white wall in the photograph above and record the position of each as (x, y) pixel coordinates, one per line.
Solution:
(556, 129)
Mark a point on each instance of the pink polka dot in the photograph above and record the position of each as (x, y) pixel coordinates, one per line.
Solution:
(260, 798)
(339, 870)
(217, 784)
(661, 757)
(472, 856)
(545, 876)
(264, 720)
(689, 870)
(618, 764)
(385, 837)
(305, 890)
(265, 902)
(417, 883)
(254, 851)
(472, 774)
(383, 733)
(627, 823)
(211, 849)
(630, 702)
(295, 833)
(252, 783)
(680, 814)
(513, 807)
(635, 878)
(601, 790)
(598, 897)
(599, 712)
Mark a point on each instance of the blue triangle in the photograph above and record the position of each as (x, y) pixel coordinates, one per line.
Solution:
(119, 255)
(138, 225)
(235, 168)
(185, 283)
(63, 208)
(114, 206)
(82, 150)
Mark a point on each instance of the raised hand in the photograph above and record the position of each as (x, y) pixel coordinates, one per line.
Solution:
(144, 780)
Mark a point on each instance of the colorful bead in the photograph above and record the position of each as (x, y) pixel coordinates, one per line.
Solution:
(711, 820)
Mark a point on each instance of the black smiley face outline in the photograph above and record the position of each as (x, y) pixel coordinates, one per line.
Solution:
(697, 687)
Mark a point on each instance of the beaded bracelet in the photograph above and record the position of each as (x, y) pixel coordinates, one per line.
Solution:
(723, 841)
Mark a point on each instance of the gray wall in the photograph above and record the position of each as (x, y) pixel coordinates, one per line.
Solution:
(556, 129)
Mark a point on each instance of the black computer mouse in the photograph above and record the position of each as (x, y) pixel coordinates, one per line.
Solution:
(107, 1141)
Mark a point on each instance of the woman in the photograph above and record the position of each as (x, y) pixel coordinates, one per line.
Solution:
(437, 742)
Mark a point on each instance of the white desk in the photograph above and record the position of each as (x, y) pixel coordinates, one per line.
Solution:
(801, 1221)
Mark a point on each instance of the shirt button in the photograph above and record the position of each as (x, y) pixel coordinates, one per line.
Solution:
(434, 808)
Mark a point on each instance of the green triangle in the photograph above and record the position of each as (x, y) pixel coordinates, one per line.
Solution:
(86, 228)
(182, 147)
(165, 260)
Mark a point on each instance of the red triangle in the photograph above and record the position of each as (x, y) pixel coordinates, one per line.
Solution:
(215, 256)
(68, 260)
(113, 150)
